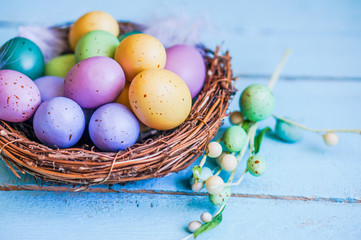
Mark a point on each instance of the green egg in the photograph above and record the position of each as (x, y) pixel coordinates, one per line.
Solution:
(60, 66)
(256, 165)
(234, 138)
(96, 43)
(257, 102)
(127, 34)
(287, 132)
(220, 198)
(22, 55)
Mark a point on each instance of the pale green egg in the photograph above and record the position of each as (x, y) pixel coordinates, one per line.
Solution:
(256, 165)
(234, 138)
(60, 66)
(220, 198)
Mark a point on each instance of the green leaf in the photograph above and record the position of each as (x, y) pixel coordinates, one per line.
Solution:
(216, 220)
(196, 172)
(258, 139)
(245, 125)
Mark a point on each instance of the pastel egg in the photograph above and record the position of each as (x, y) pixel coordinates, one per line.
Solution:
(160, 99)
(234, 138)
(287, 132)
(60, 66)
(59, 122)
(140, 52)
(113, 127)
(94, 81)
(127, 34)
(123, 98)
(96, 43)
(50, 87)
(19, 96)
(188, 63)
(22, 55)
(220, 198)
(96, 20)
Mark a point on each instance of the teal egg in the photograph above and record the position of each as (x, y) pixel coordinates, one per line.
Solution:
(96, 43)
(257, 102)
(22, 55)
(256, 165)
(220, 198)
(127, 34)
(234, 138)
(287, 132)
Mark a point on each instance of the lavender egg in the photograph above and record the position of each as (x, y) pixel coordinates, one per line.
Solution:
(94, 81)
(113, 127)
(19, 96)
(187, 63)
(50, 87)
(59, 122)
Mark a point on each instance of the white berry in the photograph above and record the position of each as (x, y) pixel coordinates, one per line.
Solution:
(205, 174)
(206, 217)
(194, 225)
(236, 118)
(218, 159)
(196, 187)
(214, 149)
(229, 162)
(330, 138)
(214, 184)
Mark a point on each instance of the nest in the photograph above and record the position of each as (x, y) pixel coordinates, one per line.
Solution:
(156, 154)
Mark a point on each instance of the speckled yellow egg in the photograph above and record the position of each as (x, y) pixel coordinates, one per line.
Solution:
(140, 52)
(123, 98)
(96, 20)
(160, 99)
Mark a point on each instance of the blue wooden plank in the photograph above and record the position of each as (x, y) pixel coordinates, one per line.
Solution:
(37, 216)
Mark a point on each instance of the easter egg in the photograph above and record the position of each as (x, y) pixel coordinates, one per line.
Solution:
(19, 96)
(123, 98)
(140, 52)
(22, 55)
(96, 20)
(94, 81)
(113, 127)
(127, 34)
(234, 138)
(96, 43)
(256, 165)
(220, 198)
(160, 99)
(187, 63)
(59, 122)
(257, 102)
(287, 132)
(50, 87)
(60, 66)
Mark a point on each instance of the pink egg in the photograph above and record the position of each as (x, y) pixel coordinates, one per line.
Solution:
(187, 63)
(94, 81)
(19, 96)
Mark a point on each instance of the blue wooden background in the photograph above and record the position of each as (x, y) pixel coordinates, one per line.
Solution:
(310, 191)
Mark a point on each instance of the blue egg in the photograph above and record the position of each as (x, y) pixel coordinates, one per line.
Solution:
(50, 87)
(113, 127)
(287, 132)
(59, 122)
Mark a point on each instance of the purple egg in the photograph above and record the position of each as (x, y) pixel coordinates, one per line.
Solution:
(59, 122)
(94, 81)
(50, 87)
(113, 127)
(187, 63)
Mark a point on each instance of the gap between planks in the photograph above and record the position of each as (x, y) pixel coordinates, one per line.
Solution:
(5, 187)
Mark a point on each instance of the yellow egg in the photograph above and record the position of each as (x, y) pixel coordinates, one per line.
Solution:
(160, 99)
(123, 98)
(91, 21)
(140, 52)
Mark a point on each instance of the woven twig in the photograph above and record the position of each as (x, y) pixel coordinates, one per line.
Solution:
(157, 153)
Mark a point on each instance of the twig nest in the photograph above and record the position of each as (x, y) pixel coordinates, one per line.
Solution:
(236, 118)
(256, 165)
(228, 162)
(214, 149)
(214, 185)
(194, 225)
(287, 132)
(234, 138)
(330, 138)
(206, 217)
(221, 197)
(257, 102)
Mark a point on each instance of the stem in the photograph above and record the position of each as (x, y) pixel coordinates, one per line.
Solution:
(218, 172)
(316, 130)
(203, 161)
(278, 69)
(188, 237)
(236, 183)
